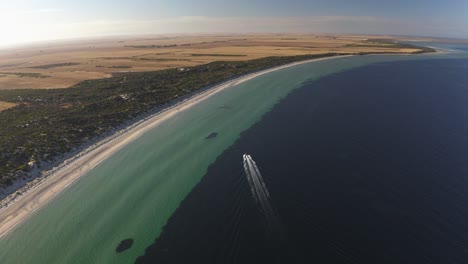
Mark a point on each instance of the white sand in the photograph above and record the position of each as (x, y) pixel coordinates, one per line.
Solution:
(37, 196)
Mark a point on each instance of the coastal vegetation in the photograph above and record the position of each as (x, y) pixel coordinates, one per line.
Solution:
(388, 43)
(46, 123)
(55, 65)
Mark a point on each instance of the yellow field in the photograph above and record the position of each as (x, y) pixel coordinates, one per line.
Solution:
(6, 105)
(59, 65)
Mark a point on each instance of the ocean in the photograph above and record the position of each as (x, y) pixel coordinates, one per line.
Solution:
(364, 166)
(362, 159)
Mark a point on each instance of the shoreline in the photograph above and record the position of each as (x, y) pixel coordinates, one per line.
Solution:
(22, 203)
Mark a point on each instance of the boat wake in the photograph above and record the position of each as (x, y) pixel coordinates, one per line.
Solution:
(260, 192)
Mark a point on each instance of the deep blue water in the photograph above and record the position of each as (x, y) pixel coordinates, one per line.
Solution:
(365, 166)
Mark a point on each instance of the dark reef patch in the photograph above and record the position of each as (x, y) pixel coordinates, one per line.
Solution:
(212, 135)
(124, 245)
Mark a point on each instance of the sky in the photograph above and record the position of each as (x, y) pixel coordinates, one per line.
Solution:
(23, 21)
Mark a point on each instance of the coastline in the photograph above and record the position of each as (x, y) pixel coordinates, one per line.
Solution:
(34, 195)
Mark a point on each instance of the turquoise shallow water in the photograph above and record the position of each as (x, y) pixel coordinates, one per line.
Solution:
(134, 192)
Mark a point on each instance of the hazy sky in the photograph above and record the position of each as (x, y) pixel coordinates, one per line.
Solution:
(34, 20)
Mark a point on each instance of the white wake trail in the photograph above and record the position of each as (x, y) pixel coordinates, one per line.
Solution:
(259, 190)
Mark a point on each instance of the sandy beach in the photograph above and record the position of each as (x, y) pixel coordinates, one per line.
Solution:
(34, 197)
